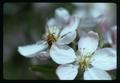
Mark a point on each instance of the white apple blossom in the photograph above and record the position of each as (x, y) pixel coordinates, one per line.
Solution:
(89, 59)
(54, 37)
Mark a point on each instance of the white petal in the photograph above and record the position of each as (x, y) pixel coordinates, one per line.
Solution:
(78, 54)
(88, 43)
(44, 55)
(98, 9)
(54, 30)
(51, 22)
(67, 72)
(105, 59)
(54, 22)
(31, 50)
(62, 14)
(62, 54)
(74, 22)
(96, 74)
(114, 34)
(68, 38)
(108, 38)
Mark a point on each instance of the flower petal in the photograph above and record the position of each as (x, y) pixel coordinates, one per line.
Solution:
(62, 54)
(114, 34)
(53, 30)
(98, 9)
(44, 55)
(88, 43)
(51, 22)
(105, 59)
(67, 72)
(67, 39)
(74, 22)
(96, 74)
(108, 38)
(62, 15)
(32, 50)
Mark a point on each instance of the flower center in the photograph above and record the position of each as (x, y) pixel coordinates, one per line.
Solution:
(51, 38)
(84, 62)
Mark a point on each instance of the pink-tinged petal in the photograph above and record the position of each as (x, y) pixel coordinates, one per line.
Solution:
(114, 34)
(43, 55)
(108, 38)
(72, 26)
(88, 43)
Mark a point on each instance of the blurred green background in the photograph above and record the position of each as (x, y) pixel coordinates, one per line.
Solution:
(24, 23)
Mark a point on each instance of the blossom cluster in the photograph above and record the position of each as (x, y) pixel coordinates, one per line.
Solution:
(87, 57)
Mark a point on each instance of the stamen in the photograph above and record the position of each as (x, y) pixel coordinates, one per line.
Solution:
(51, 38)
(85, 59)
(52, 35)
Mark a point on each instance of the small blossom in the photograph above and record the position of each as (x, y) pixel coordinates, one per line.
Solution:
(92, 61)
(54, 37)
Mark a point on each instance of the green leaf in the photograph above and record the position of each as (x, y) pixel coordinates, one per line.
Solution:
(48, 71)
(43, 68)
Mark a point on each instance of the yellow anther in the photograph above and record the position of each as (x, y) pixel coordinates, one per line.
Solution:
(84, 61)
